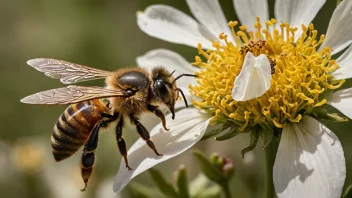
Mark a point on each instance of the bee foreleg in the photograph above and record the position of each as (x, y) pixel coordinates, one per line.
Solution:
(121, 142)
(142, 131)
(157, 112)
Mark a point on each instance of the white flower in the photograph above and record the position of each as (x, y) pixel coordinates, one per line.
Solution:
(310, 160)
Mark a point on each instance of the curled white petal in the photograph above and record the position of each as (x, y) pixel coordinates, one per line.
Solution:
(345, 65)
(341, 100)
(254, 78)
(186, 130)
(248, 10)
(169, 24)
(297, 12)
(339, 33)
(309, 162)
(210, 15)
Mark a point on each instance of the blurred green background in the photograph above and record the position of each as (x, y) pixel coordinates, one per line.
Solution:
(102, 34)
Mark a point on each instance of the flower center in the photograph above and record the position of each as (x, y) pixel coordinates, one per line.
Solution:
(301, 76)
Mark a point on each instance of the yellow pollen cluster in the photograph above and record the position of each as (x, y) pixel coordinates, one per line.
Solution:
(301, 75)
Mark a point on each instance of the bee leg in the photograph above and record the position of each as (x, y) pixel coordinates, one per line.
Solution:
(142, 131)
(121, 142)
(157, 112)
(111, 118)
(87, 167)
(88, 156)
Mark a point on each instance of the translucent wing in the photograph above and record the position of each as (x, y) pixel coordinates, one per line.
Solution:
(67, 72)
(71, 94)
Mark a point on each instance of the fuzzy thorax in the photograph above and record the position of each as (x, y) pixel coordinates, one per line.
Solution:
(301, 75)
(135, 79)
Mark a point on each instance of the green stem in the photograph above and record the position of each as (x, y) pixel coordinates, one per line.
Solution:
(226, 189)
(270, 154)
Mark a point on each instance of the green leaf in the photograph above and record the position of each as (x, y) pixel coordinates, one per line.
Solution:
(338, 2)
(201, 187)
(164, 186)
(254, 135)
(182, 182)
(211, 133)
(320, 113)
(213, 191)
(213, 130)
(141, 191)
(208, 169)
(348, 192)
(227, 135)
(199, 184)
(267, 136)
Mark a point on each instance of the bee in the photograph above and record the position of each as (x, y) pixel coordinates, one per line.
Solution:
(129, 92)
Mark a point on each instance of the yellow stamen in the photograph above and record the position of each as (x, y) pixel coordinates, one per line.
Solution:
(300, 75)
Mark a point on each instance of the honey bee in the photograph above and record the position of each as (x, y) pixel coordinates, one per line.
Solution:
(130, 92)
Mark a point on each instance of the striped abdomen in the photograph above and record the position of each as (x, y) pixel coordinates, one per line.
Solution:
(74, 127)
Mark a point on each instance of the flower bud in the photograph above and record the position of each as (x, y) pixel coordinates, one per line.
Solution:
(228, 169)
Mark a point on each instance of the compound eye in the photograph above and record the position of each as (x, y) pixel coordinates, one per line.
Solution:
(162, 91)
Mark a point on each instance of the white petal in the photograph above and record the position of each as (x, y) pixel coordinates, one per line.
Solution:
(297, 12)
(345, 65)
(171, 61)
(342, 100)
(186, 130)
(248, 10)
(169, 24)
(309, 162)
(254, 78)
(210, 14)
(339, 33)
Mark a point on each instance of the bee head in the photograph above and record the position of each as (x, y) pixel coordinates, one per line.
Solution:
(164, 86)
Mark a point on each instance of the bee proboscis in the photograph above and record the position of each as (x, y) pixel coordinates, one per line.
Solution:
(129, 92)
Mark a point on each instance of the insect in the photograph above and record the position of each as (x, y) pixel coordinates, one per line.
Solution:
(130, 92)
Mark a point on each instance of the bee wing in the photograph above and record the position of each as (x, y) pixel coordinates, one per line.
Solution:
(67, 72)
(71, 94)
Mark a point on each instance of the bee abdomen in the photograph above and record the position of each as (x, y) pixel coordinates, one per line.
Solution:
(64, 142)
(72, 130)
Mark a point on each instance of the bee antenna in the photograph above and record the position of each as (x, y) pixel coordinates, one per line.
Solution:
(178, 77)
(172, 73)
(183, 96)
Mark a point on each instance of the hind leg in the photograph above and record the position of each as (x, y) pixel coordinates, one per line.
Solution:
(88, 156)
